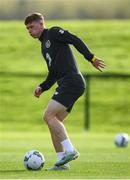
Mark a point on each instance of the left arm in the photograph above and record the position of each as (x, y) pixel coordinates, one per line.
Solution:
(63, 36)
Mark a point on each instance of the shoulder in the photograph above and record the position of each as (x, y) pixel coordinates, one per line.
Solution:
(55, 30)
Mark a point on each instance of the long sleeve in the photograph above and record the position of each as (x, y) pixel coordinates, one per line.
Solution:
(48, 83)
(64, 36)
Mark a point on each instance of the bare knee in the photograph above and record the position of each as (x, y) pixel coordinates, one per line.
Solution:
(48, 117)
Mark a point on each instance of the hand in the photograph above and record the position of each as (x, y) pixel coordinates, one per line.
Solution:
(99, 64)
(38, 92)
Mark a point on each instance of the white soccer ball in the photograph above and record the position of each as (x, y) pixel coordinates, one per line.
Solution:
(34, 160)
(122, 140)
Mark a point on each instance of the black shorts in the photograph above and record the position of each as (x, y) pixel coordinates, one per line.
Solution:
(69, 89)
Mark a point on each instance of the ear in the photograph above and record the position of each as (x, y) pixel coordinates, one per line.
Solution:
(41, 22)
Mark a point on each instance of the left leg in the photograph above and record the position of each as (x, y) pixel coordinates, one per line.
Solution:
(68, 93)
(57, 129)
(58, 132)
(58, 146)
(62, 115)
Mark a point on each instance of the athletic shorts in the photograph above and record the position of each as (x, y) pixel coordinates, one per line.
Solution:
(69, 89)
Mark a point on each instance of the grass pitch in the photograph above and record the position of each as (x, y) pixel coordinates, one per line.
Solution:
(100, 158)
(21, 127)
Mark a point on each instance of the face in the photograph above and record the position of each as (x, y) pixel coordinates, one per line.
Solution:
(35, 28)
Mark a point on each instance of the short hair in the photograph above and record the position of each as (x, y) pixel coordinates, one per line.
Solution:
(33, 17)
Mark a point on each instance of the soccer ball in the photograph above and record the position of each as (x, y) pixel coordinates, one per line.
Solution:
(34, 160)
(122, 140)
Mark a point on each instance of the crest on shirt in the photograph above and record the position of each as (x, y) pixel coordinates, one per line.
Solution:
(47, 43)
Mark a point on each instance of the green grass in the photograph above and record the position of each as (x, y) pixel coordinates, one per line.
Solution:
(21, 54)
(107, 39)
(108, 112)
(21, 123)
(99, 159)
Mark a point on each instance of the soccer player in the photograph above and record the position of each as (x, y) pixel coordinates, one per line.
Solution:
(63, 69)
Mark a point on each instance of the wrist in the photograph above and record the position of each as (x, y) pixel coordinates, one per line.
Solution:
(93, 59)
(43, 86)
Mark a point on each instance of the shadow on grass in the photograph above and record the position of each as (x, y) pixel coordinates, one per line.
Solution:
(12, 171)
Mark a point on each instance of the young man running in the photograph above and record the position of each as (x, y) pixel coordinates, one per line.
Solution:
(63, 69)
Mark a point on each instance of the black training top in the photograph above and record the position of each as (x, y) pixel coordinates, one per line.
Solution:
(58, 55)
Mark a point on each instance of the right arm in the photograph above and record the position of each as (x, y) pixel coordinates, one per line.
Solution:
(45, 85)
